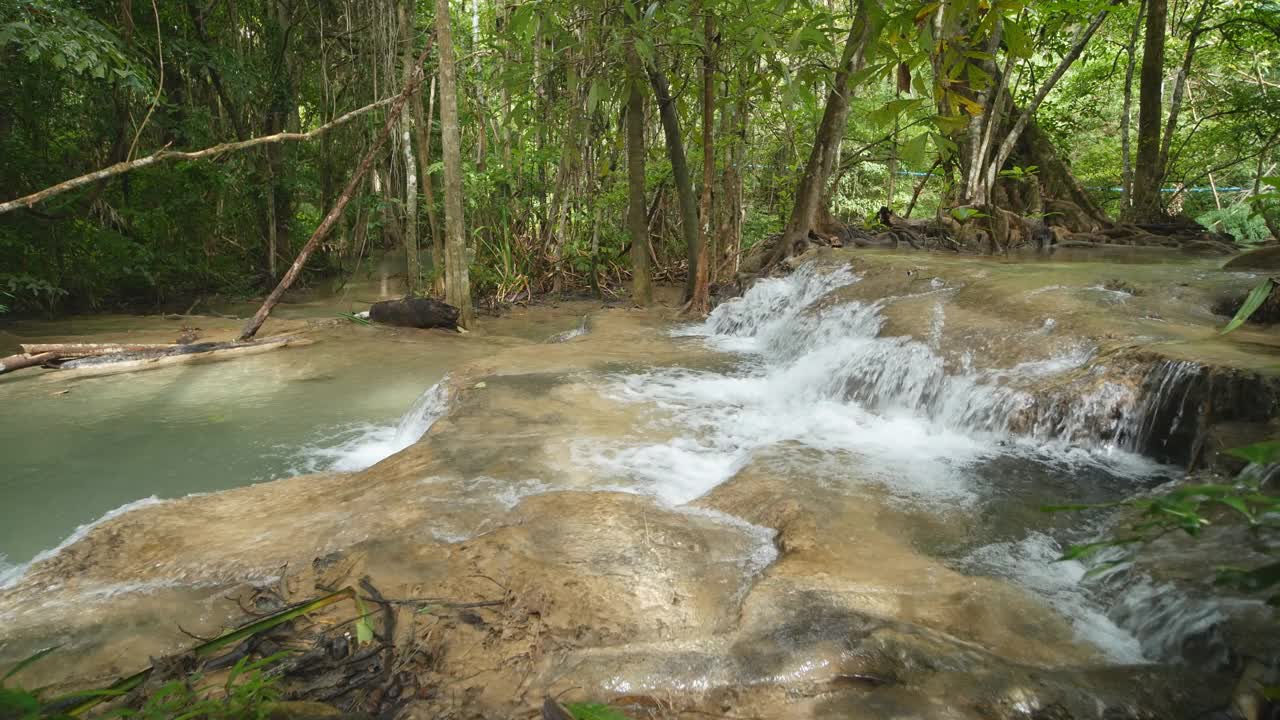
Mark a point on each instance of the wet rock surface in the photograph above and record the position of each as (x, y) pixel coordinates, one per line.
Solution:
(636, 524)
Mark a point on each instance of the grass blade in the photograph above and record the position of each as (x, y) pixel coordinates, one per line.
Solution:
(26, 663)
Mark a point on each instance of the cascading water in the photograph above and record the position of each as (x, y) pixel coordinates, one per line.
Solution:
(360, 446)
(814, 371)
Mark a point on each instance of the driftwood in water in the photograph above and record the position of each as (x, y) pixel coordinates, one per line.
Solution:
(174, 355)
(415, 312)
(72, 350)
(25, 360)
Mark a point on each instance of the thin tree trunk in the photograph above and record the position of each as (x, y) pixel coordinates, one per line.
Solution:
(680, 171)
(830, 133)
(121, 168)
(698, 303)
(1126, 176)
(414, 266)
(637, 218)
(255, 323)
(457, 272)
(422, 125)
(915, 194)
(1179, 87)
(1006, 148)
(1146, 172)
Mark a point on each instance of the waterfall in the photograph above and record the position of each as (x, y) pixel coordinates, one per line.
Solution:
(819, 348)
(818, 389)
(1169, 411)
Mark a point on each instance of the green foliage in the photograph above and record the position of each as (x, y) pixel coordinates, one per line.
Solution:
(1238, 221)
(1186, 510)
(63, 38)
(594, 711)
(246, 694)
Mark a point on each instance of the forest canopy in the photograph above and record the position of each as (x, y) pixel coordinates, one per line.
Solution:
(607, 141)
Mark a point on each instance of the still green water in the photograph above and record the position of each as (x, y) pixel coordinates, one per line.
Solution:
(74, 449)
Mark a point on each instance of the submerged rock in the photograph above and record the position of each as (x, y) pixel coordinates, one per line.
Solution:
(1267, 258)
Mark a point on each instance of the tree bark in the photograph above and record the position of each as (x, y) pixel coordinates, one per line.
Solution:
(827, 141)
(393, 114)
(1006, 148)
(698, 303)
(1126, 154)
(637, 218)
(1146, 175)
(457, 272)
(18, 362)
(422, 125)
(680, 171)
(414, 265)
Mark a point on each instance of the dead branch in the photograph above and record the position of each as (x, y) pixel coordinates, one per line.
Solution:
(255, 323)
(165, 155)
(26, 360)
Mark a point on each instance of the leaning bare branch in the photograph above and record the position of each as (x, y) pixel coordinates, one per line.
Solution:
(166, 155)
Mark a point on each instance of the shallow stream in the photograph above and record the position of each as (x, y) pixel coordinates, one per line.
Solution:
(855, 451)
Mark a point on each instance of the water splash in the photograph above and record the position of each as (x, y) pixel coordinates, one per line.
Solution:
(356, 447)
(1031, 562)
(11, 574)
(815, 372)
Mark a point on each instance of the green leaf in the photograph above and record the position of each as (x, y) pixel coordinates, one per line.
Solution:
(1263, 453)
(1251, 304)
(1239, 506)
(913, 150)
(1016, 38)
(594, 711)
(364, 628)
(18, 704)
(593, 96)
(27, 663)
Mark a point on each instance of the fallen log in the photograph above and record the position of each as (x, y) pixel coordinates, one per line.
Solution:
(174, 355)
(72, 350)
(25, 360)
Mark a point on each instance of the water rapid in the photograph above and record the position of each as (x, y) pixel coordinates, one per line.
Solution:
(816, 386)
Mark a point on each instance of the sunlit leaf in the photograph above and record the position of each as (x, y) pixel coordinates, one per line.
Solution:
(1256, 297)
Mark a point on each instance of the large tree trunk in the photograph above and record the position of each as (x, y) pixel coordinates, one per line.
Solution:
(680, 171)
(827, 141)
(1147, 175)
(457, 278)
(637, 219)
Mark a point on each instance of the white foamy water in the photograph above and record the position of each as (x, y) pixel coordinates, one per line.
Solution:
(11, 574)
(356, 447)
(815, 374)
(1032, 563)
